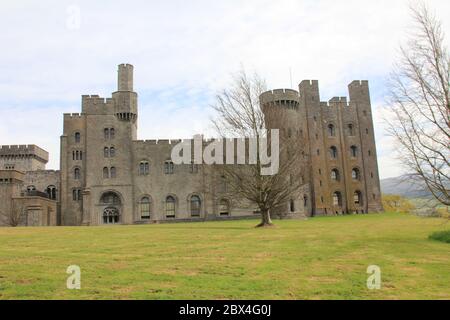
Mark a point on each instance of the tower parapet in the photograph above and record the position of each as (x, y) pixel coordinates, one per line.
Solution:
(287, 98)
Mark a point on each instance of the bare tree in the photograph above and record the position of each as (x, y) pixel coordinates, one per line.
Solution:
(14, 216)
(239, 114)
(419, 105)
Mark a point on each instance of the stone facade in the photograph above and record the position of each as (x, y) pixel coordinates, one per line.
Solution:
(108, 176)
(23, 206)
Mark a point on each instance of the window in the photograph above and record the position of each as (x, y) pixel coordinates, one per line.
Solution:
(105, 173)
(196, 205)
(110, 198)
(112, 152)
(224, 207)
(337, 199)
(170, 207)
(168, 167)
(357, 198)
(350, 130)
(76, 194)
(144, 208)
(331, 130)
(369, 153)
(367, 131)
(51, 192)
(335, 175)
(354, 151)
(31, 188)
(318, 152)
(112, 172)
(144, 168)
(333, 152)
(76, 174)
(111, 215)
(109, 133)
(305, 200)
(292, 206)
(355, 174)
(106, 152)
(77, 137)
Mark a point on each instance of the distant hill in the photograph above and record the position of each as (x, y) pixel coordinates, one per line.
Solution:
(404, 187)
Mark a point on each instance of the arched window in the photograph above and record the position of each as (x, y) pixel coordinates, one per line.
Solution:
(112, 152)
(31, 188)
(335, 175)
(76, 174)
(331, 130)
(51, 192)
(106, 133)
(111, 215)
(112, 133)
(337, 199)
(333, 152)
(113, 172)
(196, 205)
(77, 137)
(168, 167)
(350, 130)
(144, 168)
(354, 151)
(76, 194)
(110, 198)
(170, 207)
(105, 173)
(106, 152)
(357, 198)
(144, 208)
(292, 206)
(224, 207)
(355, 174)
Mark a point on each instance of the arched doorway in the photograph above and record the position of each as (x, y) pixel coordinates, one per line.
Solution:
(111, 204)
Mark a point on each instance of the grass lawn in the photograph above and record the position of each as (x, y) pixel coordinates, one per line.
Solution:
(322, 258)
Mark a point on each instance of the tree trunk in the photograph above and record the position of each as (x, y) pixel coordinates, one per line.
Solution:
(265, 219)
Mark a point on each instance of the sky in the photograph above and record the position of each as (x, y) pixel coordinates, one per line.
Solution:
(184, 52)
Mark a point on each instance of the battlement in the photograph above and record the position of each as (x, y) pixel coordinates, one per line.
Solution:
(158, 142)
(281, 97)
(94, 99)
(360, 83)
(338, 100)
(24, 151)
(72, 115)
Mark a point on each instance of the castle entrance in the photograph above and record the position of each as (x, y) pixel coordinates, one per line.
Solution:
(111, 207)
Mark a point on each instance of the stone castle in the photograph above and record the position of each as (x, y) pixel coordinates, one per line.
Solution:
(107, 176)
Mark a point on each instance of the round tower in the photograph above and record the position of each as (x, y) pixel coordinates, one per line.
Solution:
(280, 109)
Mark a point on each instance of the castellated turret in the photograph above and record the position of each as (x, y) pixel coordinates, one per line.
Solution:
(125, 77)
(280, 109)
(125, 97)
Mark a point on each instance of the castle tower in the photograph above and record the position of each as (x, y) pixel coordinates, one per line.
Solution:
(281, 111)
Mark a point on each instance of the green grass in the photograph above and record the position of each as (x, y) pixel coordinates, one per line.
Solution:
(443, 236)
(322, 258)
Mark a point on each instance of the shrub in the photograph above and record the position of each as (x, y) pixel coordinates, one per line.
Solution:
(396, 203)
(443, 236)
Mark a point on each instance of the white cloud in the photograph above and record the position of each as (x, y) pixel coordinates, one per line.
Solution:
(182, 52)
